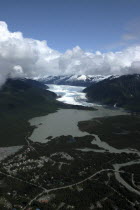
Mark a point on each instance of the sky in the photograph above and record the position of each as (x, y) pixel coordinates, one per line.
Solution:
(44, 37)
(91, 24)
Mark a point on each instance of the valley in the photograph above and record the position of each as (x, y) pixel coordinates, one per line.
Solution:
(75, 159)
(70, 105)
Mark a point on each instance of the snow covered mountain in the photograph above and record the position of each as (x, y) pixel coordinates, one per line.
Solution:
(75, 80)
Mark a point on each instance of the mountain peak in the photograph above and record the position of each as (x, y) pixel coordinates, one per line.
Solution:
(75, 80)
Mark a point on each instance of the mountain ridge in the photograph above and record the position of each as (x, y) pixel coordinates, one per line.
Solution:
(73, 80)
(122, 91)
(20, 100)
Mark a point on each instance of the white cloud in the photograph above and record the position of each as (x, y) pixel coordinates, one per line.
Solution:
(25, 57)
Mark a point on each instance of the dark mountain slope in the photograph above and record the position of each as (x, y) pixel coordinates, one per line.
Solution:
(21, 100)
(123, 91)
(19, 94)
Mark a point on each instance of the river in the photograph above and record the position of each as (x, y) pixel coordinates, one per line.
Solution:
(64, 122)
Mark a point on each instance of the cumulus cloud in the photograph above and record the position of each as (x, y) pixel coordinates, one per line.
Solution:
(26, 57)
